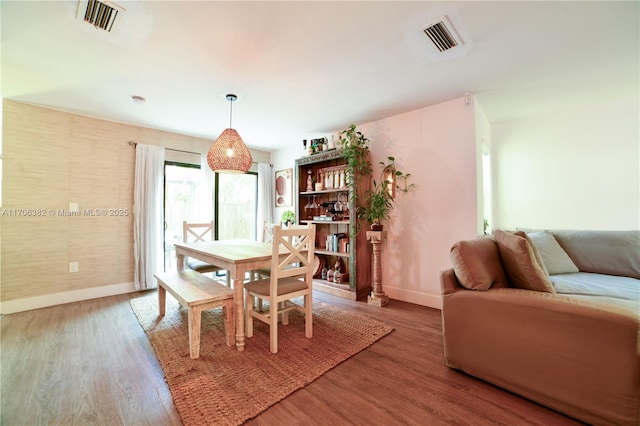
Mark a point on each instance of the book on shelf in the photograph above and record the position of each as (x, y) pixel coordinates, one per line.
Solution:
(344, 244)
(336, 238)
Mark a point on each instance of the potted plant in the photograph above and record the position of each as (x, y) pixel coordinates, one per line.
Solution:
(288, 217)
(379, 200)
(355, 150)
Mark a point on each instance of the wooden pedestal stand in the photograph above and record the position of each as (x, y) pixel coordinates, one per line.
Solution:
(377, 296)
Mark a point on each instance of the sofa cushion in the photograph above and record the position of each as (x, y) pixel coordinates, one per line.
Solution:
(555, 259)
(599, 286)
(477, 264)
(536, 252)
(520, 263)
(603, 252)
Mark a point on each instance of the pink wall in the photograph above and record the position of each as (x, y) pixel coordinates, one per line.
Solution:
(437, 146)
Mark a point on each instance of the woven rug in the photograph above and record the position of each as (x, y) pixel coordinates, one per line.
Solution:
(227, 387)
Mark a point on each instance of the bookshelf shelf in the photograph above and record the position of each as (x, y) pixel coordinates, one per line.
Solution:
(332, 253)
(356, 260)
(325, 191)
(327, 222)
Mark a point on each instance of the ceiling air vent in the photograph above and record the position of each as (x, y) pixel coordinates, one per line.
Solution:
(100, 14)
(442, 34)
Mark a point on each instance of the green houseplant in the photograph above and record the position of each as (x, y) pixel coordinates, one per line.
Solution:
(355, 150)
(378, 200)
(288, 217)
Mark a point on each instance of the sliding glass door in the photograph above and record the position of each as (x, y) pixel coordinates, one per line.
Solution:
(236, 206)
(234, 201)
(181, 186)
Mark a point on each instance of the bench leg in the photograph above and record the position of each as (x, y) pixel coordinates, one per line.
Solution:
(229, 322)
(194, 317)
(162, 298)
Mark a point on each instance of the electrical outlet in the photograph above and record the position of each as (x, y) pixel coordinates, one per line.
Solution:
(74, 266)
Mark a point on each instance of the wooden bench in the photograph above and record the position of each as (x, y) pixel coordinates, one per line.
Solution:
(197, 293)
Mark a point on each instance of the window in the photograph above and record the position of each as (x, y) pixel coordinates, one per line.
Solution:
(181, 183)
(234, 199)
(486, 187)
(236, 206)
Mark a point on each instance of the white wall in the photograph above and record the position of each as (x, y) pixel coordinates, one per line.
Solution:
(574, 169)
(285, 159)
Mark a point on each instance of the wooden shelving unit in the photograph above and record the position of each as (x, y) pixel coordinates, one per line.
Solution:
(356, 260)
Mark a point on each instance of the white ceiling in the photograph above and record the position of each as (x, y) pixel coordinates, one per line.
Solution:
(306, 69)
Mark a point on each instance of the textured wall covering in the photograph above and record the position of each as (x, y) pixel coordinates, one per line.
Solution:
(53, 158)
(50, 159)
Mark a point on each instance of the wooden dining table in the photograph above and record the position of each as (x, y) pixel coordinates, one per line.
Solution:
(237, 257)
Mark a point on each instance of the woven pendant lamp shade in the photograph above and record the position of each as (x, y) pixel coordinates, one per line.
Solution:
(229, 154)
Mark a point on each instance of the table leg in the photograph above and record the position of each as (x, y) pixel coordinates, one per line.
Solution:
(227, 311)
(194, 316)
(179, 261)
(162, 298)
(238, 308)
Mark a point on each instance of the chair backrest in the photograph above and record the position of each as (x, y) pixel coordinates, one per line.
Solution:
(267, 232)
(197, 232)
(293, 252)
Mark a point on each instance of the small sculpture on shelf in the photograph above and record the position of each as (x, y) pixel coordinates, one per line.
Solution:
(328, 179)
(309, 181)
(338, 265)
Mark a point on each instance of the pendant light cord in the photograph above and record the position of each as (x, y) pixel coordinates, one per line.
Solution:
(231, 98)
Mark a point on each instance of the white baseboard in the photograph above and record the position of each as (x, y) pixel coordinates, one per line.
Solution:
(29, 303)
(423, 299)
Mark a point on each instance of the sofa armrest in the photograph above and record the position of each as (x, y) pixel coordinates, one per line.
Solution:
(575, 356)
(448, 282)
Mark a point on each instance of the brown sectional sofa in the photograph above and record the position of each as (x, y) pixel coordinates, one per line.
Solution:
(552, 316)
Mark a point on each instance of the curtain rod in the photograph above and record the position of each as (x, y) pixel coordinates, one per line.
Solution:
(134, 144)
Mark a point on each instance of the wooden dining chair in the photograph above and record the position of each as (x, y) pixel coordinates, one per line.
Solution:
(200, 232)
(267, 237)
(291, 276)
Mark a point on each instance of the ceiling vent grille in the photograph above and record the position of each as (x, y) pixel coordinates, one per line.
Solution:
(442, 34)
(100, 14)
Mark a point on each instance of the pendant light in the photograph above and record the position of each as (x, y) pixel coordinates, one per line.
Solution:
(229, 154)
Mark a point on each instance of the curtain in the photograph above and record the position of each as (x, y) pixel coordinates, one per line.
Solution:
(147, 215)
(265, 198)
(204, 203)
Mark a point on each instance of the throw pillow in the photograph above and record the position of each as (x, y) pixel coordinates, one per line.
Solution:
(536, 252)
(520, 263)
(477, 264)
(553, 255)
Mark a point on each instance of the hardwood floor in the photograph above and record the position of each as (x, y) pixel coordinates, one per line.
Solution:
(91, 363)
